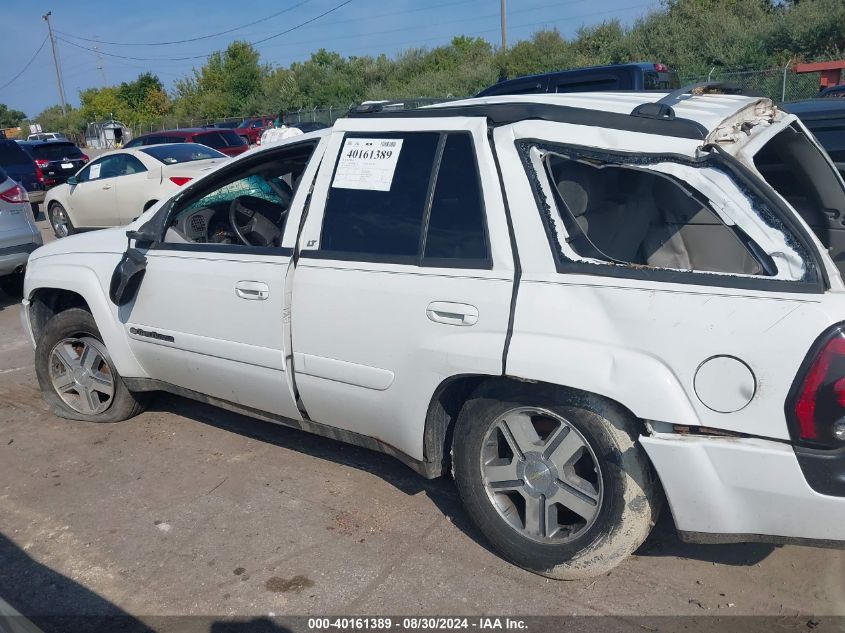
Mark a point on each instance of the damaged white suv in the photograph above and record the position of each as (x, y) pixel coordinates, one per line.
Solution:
(574, 303)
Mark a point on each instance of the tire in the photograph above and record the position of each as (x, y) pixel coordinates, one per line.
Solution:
(12, 285)
(60, 220)
(77, 329)
(608, 478)
(246, 140)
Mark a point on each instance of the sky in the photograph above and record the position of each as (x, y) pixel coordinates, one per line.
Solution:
(350, 27)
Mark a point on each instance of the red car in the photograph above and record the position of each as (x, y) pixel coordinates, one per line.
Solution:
(250, 129)
(225, 141)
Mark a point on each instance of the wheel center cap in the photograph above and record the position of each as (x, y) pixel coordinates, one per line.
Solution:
(538, 474)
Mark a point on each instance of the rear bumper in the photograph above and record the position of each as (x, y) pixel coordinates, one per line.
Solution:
(13, 258)
(742, 490)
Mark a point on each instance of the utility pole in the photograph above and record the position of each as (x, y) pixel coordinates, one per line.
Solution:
(504, 25)
(100, 65)
(59, 84)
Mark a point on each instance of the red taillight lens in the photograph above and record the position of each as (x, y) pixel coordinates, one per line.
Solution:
(15, 194)
(41, 162)
(179, 180)
(818, 398)
(661, 68)
(85, 158)
(39, 174)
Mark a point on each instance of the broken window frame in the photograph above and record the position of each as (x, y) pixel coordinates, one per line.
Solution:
(772, 217)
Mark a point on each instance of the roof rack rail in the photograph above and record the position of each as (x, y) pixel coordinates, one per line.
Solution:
(662, 108)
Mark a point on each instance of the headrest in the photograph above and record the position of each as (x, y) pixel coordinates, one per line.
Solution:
(579, 186)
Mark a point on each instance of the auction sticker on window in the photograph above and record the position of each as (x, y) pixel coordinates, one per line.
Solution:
(367, 163)
(95, 171)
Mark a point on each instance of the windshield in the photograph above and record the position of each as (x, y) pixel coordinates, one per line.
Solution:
(56, 151)
(181, 153)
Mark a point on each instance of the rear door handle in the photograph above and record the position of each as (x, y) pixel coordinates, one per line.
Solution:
(452, 313)
(252, 290)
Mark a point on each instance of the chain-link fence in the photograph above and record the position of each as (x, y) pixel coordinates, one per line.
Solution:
(779, 84)
(326, 116)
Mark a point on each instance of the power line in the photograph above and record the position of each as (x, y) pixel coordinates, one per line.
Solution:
(193, 39)
(189, 57)
(28, 64)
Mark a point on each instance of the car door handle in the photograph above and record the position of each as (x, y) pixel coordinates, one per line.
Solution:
(452, 313)
(252, 290)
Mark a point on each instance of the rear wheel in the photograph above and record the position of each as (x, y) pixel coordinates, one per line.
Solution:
(60, 220)
(76, 374)
(558, 484)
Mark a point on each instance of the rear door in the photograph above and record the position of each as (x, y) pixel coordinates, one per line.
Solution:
(404, 277)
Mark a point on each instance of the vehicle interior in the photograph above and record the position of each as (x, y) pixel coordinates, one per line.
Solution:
(626, 215)
(796, 169)
(248, 206)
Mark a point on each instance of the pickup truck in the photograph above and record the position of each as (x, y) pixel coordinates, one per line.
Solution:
(574, 304)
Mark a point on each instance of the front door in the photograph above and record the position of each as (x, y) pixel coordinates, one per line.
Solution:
(209, 314)
(401, 281)
(92, 199)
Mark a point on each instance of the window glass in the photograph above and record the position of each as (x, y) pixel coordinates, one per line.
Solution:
(182, 153)
(632, 216)
(456, 224)
(56, 151)
(260, 193)
(211, 139)
(379, 223)
(131, 165)
(107, 167)
(12, 154)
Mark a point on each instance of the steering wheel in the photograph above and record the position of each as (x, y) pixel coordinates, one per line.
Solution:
(258, 230)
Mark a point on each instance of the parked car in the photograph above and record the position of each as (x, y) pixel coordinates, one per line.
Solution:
(833, 91)
(18, 234)
(225, 141)
(47, 136)
(309, 126)
(117, 187)
(825, 118)
(573, 303)
(612, 77)
(251, 128)
(58, 160)
(21, 168)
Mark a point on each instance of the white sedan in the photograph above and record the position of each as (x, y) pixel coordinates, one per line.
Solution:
(119, 186)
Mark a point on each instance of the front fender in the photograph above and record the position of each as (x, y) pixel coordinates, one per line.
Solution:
(57, 273)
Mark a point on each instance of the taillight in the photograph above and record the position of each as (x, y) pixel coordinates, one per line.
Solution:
(661, 68)
(179, 180)
(42, 163)
(816, 404)
(85, 158)
(15, 194)
(39, 174)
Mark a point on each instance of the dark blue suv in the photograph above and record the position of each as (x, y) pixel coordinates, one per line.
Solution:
(613, 77)
(22, 168)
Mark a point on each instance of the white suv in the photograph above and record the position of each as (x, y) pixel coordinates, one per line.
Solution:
(574, 303)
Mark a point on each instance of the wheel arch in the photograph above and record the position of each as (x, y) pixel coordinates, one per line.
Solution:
(149, 204)
(453, 392)
(52, 288)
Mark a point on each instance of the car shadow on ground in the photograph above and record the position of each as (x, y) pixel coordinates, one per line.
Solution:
(663, 541)
(54, 602)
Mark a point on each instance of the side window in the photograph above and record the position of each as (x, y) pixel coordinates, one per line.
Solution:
(245, 206)
(212, 139)
(112, 166)
(456, 227)
(425, 209)
(131, 165)
(361, 218)
(626, 215)
(102, 168)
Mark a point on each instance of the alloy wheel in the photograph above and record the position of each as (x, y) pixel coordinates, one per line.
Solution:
(541, 475)
(81, 374)
(60, 222)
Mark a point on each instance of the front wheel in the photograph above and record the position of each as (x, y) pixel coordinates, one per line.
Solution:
(557, 483)
(60, 220)
(76, 373)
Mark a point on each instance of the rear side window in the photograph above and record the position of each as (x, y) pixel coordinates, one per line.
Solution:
(429, 213)
(212, 139)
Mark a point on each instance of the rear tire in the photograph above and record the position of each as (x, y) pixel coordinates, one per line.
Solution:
(60, 220)
(76, 374)
(555, 479)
